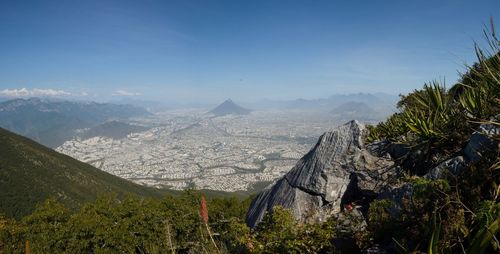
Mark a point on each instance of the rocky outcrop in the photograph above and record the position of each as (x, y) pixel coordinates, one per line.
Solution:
(336, 171)
(341, 172)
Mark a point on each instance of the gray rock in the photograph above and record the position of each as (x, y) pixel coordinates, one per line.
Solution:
(452, 166)
(329, 175)
(379, 148)
(408, 158)
(351, 221)
(404, 191)
(375, 249)
(386, 148)
(481, 144)
(396, 194)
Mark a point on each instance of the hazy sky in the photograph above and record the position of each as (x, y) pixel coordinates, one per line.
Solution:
(247, 50)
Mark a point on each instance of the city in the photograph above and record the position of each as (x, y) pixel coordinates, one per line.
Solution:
(190, 149)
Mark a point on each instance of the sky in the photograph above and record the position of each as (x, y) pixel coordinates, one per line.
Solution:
(207, 51)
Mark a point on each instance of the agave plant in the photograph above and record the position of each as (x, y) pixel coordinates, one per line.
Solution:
(472, 101)
(479, 90)
(420, 124)
(434, 241)
(394, 128)
(484, 237)
(430, 112)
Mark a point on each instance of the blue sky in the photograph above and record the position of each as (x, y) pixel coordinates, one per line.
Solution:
(206, 51)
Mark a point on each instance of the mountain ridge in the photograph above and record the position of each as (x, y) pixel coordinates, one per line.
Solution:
(53, 122)
(112, 129)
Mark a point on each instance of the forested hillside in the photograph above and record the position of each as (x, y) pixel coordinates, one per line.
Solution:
(31, 173)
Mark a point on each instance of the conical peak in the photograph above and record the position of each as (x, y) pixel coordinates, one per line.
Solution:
(229, 107)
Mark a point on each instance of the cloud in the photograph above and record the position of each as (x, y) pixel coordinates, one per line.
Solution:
(124, 93)
(23, 92)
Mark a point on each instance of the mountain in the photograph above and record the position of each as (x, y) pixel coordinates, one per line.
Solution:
(112, 129)
(355, 110)
(336, 100)
(379, 100)
(352, 107)
(228, 107)
(31, 173)
(150, 105)
(53, 122)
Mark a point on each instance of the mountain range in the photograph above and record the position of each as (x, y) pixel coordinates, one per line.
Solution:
(53, 122)
(356, 110)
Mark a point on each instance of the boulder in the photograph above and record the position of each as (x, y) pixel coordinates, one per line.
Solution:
(481, 143)
(387, 148)
(452, 166)
(336, 171)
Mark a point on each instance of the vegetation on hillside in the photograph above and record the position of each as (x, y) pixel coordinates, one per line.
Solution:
(168, 225)
(440, 120)
(458, 214)
(31, 173)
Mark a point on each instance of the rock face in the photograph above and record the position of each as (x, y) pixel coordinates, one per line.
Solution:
(336, 171)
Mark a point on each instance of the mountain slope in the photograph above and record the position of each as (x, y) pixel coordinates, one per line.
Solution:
(228, 107)
(112, 129)
(30, 173)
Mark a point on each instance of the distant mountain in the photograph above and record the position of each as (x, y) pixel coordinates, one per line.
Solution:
(228, 107)
(381, 105)
(150, 105)
(112, 129)
(352, 107)
(327, 103)
(354, 110)
(31, 173)
(53, 122)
